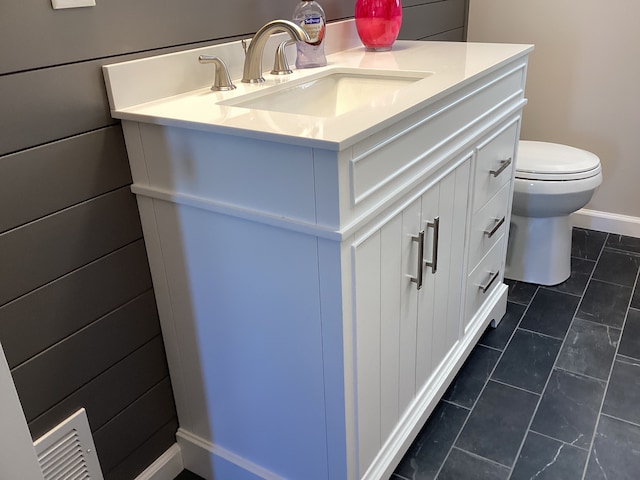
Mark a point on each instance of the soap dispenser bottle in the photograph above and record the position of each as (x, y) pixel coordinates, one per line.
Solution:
(310, 16)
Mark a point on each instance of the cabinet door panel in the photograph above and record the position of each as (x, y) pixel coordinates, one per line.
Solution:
(390, 298)
(427, 294)
(456, 266)
(367, 278)
(441, 342)
(386, 308)
(408, 305)
(440, 303)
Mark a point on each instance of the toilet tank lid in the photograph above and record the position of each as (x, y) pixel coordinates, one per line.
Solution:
(553, 158)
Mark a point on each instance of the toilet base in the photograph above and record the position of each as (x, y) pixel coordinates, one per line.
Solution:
(539, 250)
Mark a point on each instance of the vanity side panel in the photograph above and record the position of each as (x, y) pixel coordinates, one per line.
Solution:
(266, 177)
(246, 308)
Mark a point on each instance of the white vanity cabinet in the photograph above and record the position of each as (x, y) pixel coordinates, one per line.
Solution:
(318, 292)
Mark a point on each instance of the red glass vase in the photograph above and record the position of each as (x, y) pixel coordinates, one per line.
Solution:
(378, 23)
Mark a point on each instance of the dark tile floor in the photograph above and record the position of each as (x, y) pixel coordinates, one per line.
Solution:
(554, 391)
(187, 475)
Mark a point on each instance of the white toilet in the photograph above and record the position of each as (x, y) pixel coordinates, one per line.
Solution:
(552, 181)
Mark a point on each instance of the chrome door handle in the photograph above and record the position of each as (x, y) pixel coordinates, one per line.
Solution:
(434, 248)
(418, 278)
(486, 287)
(503, 165)
(498, 223)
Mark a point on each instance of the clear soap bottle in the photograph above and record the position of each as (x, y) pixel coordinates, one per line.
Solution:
(310, 16)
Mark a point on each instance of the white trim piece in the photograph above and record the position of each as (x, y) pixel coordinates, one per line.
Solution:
(58, 4)
(166, 467)
(238, 212)
(18, 457)
(211, 450)
(607, 222)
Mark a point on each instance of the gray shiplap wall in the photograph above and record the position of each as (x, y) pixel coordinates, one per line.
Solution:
(78, 320)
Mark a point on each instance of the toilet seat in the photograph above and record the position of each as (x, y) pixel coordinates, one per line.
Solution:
(545, 161)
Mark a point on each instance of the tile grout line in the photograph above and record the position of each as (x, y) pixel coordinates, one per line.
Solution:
(621, 420)
(584, 449)
(606, 389)
(482, 390)
(544, 389)
(546, 335)
(480, 457)
(621, 357)
(583, 375)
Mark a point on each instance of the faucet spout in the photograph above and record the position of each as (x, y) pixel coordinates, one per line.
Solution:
(252, 72)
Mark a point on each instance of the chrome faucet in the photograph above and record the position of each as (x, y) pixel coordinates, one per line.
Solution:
(222, 80)
(252, 72)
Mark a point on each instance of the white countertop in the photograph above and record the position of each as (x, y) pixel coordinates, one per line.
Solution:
(171, 102)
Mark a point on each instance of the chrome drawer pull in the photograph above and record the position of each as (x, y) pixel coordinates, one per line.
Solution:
(503, 165)
(420, 240)
(498, 223)
(434, 249)
(486, 287)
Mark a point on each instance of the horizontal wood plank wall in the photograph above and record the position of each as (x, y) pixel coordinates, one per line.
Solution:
(430, 19)
(78, 320)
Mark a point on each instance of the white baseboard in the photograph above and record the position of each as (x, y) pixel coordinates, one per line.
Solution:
(607, 222)
(213, 461)
(167, 466)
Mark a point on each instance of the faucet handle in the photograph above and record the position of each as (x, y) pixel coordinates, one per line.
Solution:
(280, 63)
(222, 80)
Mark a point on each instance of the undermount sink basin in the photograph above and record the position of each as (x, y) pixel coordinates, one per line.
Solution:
(334, 93)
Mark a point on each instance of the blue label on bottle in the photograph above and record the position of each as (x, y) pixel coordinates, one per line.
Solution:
(312, 20)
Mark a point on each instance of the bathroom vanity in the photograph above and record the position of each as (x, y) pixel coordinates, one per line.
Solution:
(321, 275)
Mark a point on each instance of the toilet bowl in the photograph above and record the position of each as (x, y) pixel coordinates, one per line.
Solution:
(552, 181)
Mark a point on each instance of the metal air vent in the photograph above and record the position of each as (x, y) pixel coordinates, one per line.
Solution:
(67, 452)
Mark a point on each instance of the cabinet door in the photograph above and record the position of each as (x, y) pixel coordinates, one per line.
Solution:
(385, 325)
(407, 306)
(444, 210)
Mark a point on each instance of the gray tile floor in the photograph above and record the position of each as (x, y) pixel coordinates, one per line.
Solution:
(554, 391)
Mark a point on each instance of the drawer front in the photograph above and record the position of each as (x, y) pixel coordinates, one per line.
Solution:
(376, 161)
(488, 225)
(484, 279)
(494, 163)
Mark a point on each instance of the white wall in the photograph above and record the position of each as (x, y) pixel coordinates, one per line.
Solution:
(17, 455)
(583, 87)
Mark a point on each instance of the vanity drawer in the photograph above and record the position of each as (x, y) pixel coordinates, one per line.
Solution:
(484, 278)
(396, 155)
(494, 163)
(488, 225)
